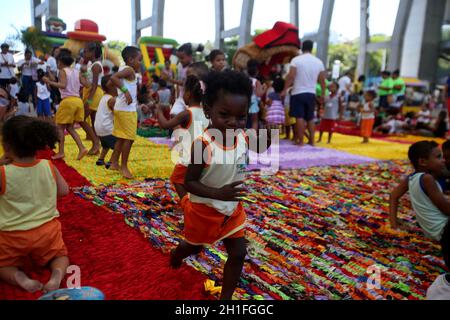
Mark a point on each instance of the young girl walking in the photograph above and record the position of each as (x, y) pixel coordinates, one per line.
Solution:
(192, 123)
(212, 209)
(71, 108)
(28, 194)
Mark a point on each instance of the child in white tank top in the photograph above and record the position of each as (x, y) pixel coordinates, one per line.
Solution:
(212, 209)
(189, 125)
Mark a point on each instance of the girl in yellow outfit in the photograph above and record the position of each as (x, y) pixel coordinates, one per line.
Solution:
(28, 216)
(93, 93)
(125, 110)
(71, 108)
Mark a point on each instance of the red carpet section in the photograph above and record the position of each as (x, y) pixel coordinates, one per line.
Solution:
(112, 257)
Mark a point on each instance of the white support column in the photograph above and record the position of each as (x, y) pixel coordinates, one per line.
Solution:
(404, 11)
(246, 22)
(220, 23)
(244, 29)
(323, 35)
(39, 9)
(364, 38)
(294, 14)
(156, 21)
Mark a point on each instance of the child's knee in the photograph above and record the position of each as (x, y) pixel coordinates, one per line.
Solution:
(237, 252)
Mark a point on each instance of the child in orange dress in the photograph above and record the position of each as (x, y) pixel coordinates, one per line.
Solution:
(368, 116)
(28, 216)
(212, 209)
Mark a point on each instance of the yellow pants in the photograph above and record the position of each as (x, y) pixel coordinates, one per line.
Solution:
(95, 99)
(70, 110)
(125, 125)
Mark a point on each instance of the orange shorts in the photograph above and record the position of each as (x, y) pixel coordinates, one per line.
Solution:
(178, 174)
(367, 127)
(41, 244)
(204, 225)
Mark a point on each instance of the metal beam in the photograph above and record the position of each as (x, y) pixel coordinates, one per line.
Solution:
(294, 14)
(230, 33)
(135, 18)
(324, 31)
(158, 18)
(246, 22)
(375, 46)
(156, 21)
(364, 37)
(39, 9)
(403, 13)
(220, 24)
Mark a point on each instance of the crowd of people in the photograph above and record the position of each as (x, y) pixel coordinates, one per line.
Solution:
(212, 105)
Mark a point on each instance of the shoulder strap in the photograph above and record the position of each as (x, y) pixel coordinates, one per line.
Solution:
(2, 180)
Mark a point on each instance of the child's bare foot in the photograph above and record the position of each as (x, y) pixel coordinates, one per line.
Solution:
(127, 174)
(58, 156)
(95, 150)
(55, 281)
(82, 154)
(114, 167)
(26, 283)
(174, 262)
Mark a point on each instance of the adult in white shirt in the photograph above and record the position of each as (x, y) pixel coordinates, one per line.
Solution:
(305, 71)
(28, 67)
(345, 86)
(7, 65)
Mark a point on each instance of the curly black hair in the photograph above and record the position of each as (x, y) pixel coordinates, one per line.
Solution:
(420, 150)
(193, 86)
(65, 57)
(226, 82)
(26, 135)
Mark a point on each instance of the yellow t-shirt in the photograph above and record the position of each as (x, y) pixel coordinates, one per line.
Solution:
(27, 196)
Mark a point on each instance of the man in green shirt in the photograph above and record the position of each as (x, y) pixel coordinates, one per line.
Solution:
(385, 89)
(399, 86)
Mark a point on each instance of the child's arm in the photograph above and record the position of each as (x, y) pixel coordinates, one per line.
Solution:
(228, 192)
(341, 109)
(61, 84)
(436, 196)
(96, 70)
(111, 103)
(116, 80)
(181, 119)
(394, 198)
(259, 89)
(61, 184)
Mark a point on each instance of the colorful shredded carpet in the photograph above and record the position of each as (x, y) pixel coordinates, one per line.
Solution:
(313, 233)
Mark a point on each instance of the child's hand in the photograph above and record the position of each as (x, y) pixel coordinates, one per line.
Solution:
(46, 80)
(231, 192)
(129, 98)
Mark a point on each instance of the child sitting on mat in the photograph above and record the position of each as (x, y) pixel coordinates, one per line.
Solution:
(28, 216)
(431, 206)
(212, 209)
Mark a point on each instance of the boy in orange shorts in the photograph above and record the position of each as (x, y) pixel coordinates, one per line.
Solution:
(28, 216)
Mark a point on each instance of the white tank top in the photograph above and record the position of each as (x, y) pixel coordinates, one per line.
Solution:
(121, 102)
(91, 74)
(194, 129)
(225, 166)
(430, 218)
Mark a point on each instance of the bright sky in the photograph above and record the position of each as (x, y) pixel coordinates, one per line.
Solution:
(193, 20)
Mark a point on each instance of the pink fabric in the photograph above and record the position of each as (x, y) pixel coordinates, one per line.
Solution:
(73, 84)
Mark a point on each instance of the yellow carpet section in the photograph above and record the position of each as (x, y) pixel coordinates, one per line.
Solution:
(147, 160)
(414, 139)
(377, 149)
